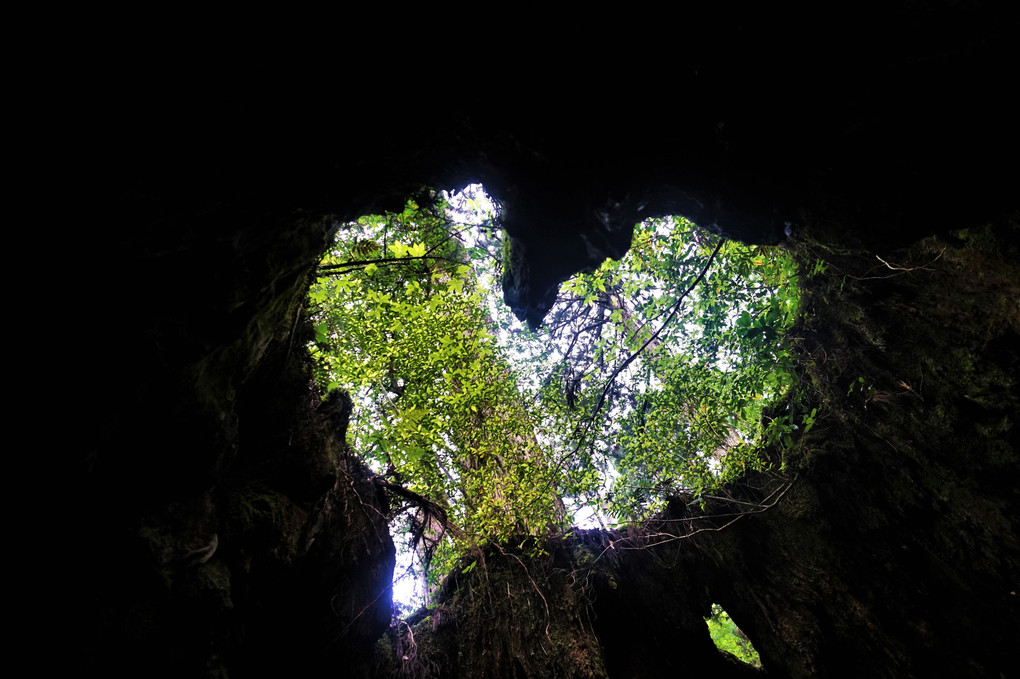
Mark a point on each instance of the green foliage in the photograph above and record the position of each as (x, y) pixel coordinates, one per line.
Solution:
(685, 413)
(401, 324)
(729, 638)
(649, 379)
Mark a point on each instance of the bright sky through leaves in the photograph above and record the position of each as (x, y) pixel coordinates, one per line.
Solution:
(629, 394)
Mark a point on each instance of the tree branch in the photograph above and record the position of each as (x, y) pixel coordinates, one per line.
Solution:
(655, 335)
(330, 269)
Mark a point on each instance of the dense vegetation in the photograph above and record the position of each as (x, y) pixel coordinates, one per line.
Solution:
(730, 638)
(648, 380)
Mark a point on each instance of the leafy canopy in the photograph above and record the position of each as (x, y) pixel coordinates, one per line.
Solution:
(649, 378)
(700, 328)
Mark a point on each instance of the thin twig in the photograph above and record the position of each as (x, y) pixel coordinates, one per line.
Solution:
(655, 335)
(900, 270)
(535, 585)
(330, 269)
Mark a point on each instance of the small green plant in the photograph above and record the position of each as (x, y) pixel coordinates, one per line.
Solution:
(729, 638)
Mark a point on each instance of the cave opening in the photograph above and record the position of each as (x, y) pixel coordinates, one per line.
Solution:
(659, 375)
(190, 275)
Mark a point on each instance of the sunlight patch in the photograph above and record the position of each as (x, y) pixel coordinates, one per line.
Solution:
(729, 638)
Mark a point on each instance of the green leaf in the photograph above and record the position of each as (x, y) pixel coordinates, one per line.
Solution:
(320, 333)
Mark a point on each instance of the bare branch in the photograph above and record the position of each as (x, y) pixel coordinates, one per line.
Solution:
(655, 335)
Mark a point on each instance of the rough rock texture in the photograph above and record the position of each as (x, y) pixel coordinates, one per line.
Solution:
(221, 524)
(596, 604)
(895, 551)
(889, 544)
(201, 464)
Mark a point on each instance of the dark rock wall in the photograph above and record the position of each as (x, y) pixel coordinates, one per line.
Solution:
(898, 540)
(595, 604)
(220, 525)
(202, 201)
(886, 545)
